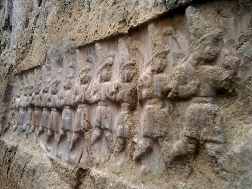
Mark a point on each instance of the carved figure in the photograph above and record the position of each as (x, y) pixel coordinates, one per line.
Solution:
(29, 110)
(103, 93)
(45, 112)
(199, 78)
(20, 108)
(36, 102)
(81, 122)
(67, 117)
(55, 116)
(152, 88)
(127, 98)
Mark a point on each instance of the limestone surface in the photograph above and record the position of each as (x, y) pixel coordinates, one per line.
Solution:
(106, 94)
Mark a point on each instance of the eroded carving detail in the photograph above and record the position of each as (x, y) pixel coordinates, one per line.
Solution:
(151, 90)
(199, 79)
(121, 103)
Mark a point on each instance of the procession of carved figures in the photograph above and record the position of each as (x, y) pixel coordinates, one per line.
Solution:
(115, 100)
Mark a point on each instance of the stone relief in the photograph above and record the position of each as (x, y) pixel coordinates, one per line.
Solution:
(119, 98)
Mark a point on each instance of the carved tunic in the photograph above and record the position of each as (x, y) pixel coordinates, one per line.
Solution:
(81, 122)
(152, 90)
(45, 112)
(55, 117)
(202, 121)
(103, 111)
(21, 114)
(67, 114)
(36, 115)
(127, 96)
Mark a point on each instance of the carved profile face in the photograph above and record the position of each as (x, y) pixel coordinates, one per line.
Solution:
(127, 72)
(105, 72)
(209, 47)
(157, 67)
(55, 87)
(144, 81)
(85, 76)
(68, 84)
(223, 73)
(37, 90)
(182, 77)
(45, 90)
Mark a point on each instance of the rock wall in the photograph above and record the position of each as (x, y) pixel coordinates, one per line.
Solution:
(125, 94)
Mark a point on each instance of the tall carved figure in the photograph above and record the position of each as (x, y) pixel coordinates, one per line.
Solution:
(36, 102)
(103, 94)
(81, 122)
(55, 116)
(25, 112)
(152, 89)
(29, 109)
(67, 117)
(45, 112)
(126, 96)
(21, 110)
(208, 70)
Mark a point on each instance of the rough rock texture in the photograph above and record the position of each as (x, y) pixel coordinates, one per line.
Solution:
(106, 94)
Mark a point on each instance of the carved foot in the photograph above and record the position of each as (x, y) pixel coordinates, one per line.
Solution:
(143, 147)
(40, 131)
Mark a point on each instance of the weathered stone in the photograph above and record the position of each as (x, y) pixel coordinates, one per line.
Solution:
(125, 94)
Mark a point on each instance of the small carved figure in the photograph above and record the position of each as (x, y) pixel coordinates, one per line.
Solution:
(25, 112)
(67, 117)
(29, 109)
(152, 88)
(127, 98)
(45, 112)
(81, 122)
(55, 116)
(20, 109)
(36, 102)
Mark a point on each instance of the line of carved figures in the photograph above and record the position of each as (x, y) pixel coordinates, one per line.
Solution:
(61, 109)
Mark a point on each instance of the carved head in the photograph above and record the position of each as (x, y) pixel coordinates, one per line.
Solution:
(68, 84)
(145, 81)
(45, 90)
(37, 88)
(30, 90)
(224, 72)
(209, 47)
(27, 90)
(55, 87)
(127, 71)
(85, 75)
(159, 62)
(181, 81)
(105, 71)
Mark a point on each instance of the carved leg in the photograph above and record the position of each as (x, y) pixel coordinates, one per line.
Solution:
(40, 131)
(96, 135)
(75, 138)
(61, 136)
(49, 135)
(109, 139)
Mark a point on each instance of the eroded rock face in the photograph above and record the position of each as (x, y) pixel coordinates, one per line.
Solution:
(165, 105)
